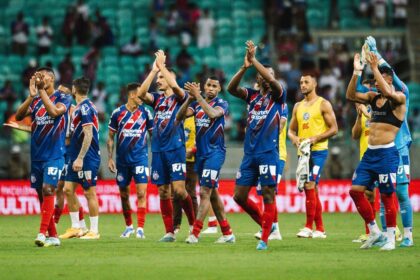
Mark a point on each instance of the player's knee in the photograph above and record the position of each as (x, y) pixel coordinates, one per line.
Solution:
(240, 198)
(164, 192)
(141, 194)
(124, 195)
(370, 196)
(47, 190)
(402, 192)
(90, 194)
(205, 193)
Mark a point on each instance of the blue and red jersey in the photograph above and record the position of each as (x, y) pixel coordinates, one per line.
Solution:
(168, 133)
(210, 134)
(263, 122)
(84, 114)
(131, 129)
(48, 134)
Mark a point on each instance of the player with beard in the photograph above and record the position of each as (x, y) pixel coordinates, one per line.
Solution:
(313, 120)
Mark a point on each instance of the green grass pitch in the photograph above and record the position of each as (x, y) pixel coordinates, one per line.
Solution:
(112, 257)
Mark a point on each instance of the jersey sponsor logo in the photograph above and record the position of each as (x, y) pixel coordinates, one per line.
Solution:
(305, 126)
(306, 116)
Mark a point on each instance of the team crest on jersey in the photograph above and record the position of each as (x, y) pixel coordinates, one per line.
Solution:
(33, 179)
(155, 175)
(238, 174)
(306, 116)
(84, 109)
(354, 176)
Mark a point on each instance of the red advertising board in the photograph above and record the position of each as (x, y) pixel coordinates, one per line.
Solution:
(17, 198)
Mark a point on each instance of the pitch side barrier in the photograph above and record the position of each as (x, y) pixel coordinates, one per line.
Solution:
(17, 198)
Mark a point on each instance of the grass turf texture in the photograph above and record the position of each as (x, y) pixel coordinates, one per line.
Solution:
(112, 257)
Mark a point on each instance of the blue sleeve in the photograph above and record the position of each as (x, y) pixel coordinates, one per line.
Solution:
(149, 122)
(223, 105)
(87, 114)
(113, 120)
(359, 87)
(398, 84)
(249, 93)
(155, 98)
(65, 99)
(192, 106)
(284, 111)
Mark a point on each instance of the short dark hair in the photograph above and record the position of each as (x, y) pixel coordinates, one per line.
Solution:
(82, 85)
(267, 65)
(67, 87)
(171, 70)
(132, 86)
(213, 78)
(46, 69)
(386, 70)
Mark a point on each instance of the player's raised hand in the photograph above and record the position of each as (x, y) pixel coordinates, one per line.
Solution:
(78, 165)
(373, 60)
(39, 80)
(251, 50)
(32, 86)
(193, 89)
(111, 166)
(357, 64)
(155, 68)
(247, 62)
(160, 59)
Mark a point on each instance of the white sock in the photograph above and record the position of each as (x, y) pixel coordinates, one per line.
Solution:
(94, 224)
(408, 233)
(74, 217)
(212, 218)
(390, 233)
(373, 227)
(82, 224)
(139, 228)
(130, 226)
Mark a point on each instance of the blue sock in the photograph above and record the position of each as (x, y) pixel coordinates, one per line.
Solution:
(405, 205)
(382, 216)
